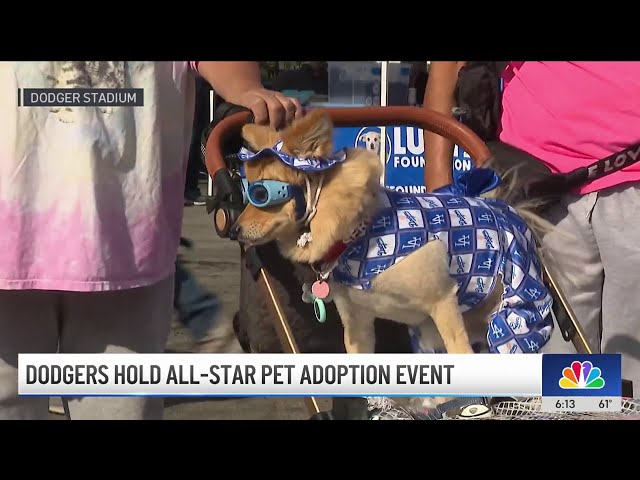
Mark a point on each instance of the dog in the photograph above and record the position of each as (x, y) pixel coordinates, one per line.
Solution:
(328, 214)
(371, 141)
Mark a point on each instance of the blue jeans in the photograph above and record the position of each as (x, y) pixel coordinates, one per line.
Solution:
(197, 308)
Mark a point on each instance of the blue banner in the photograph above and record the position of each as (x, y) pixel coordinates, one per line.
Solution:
(578, 375)
(404, 167)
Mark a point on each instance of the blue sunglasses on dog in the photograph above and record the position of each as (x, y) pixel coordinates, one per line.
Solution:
(268, 193)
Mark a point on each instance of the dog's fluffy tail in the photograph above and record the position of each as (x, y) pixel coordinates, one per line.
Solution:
(512, 192)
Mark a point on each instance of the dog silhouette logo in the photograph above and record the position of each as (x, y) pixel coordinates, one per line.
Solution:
(369, 138)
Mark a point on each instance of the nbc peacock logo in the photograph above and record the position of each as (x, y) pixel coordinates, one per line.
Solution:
(581, 375)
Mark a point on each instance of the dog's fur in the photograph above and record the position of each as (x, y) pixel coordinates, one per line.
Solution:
(407, 292)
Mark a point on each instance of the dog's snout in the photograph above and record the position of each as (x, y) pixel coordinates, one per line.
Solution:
(234, 232)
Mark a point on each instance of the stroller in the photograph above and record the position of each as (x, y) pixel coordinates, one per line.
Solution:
(220, 143)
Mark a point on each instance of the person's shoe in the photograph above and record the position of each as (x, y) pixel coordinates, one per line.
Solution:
(55, 406)
(221, 338)
(199, 201)
(194, 198)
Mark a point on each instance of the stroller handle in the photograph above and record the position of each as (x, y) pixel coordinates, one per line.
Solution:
(423, 118)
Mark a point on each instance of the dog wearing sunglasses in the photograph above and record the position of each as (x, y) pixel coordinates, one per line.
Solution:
(458, 270)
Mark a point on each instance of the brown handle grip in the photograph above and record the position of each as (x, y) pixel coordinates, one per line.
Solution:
(423, 118)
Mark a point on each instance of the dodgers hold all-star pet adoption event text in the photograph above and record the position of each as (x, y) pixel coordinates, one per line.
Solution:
(278, 374)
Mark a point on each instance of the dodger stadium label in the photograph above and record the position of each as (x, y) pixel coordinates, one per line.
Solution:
(81, 97)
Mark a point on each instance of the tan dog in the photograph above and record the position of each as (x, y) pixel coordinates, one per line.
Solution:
(419, 291)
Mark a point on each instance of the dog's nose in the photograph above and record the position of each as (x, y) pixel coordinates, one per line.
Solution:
(234, 232)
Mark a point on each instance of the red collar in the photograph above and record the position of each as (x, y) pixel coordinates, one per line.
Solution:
(334, 253)
(339, 248)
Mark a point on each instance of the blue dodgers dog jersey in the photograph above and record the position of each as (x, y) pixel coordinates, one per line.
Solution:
(484, 237)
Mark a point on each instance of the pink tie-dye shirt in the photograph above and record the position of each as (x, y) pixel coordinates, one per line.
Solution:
(91, 198)
(571, 114)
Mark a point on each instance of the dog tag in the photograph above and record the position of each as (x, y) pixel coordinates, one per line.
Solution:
(320, 289)
(307, 296)
(320, 310)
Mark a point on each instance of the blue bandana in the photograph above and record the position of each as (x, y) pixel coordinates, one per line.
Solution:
(484, 237)
(312, 164)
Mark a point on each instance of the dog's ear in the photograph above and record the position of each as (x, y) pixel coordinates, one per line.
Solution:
(259, 136)
(310, 136)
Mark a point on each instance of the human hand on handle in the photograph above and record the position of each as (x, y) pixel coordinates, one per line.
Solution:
(270, 107)
(240, 83)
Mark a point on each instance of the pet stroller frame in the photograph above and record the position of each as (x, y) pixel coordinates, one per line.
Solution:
(227, 205)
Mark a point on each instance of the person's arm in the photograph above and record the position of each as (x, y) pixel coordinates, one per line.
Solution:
(439, 96)
(240, 83)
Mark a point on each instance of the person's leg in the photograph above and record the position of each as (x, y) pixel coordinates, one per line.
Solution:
(197, 308)
(617, 230)
(28, 324)
(195, 164)
(573, 254)
(202, 313)
(192, 194)
(126, 321)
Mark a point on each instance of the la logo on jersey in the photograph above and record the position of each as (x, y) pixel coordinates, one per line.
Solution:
(410, 219)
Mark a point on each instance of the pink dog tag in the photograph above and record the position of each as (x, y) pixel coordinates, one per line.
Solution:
(320, 289)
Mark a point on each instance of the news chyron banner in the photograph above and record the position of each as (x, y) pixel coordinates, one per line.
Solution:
(571, 382)
(404, 164)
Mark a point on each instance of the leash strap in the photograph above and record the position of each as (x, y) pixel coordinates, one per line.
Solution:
(554, 184)
(606, 166)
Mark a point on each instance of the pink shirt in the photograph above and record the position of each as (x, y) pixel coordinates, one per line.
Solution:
(91, 198)
(570, 114)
